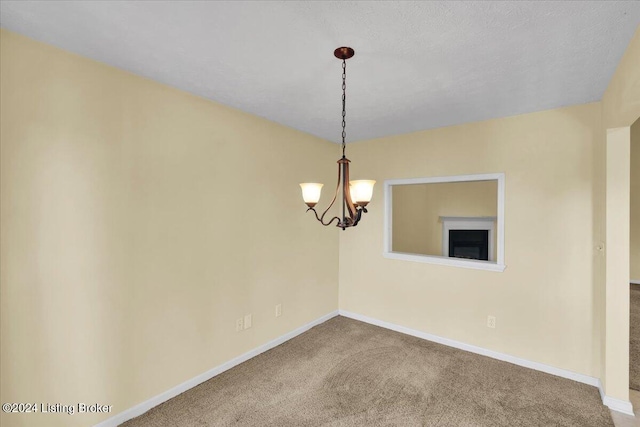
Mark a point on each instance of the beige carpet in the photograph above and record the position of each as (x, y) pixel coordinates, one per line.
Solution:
(634, 343)
(348, 373)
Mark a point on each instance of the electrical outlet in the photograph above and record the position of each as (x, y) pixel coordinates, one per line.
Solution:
(239, 324)
(247, 321)
(278, 310)
(491, 322)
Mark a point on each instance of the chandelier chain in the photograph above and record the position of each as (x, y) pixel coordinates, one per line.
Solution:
(344, 104)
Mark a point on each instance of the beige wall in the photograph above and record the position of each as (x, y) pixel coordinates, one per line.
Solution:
(617, 257)
(635, 202)
(138, 222)
(546, 300)
(621, 100)
(620, 109)
(417, 209)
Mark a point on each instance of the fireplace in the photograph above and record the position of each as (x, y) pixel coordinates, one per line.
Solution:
(469, 244)
(469, 238)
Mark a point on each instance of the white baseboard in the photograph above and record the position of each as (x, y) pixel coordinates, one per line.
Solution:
(163, 397)
(615, 404)
(634, 282)
(618, 405)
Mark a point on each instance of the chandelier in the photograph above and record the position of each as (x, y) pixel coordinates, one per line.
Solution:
(354, 195)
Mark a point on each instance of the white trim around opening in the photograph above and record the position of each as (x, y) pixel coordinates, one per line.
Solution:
(387, 252)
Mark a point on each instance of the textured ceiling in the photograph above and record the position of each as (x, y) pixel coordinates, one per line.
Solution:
(418, 65)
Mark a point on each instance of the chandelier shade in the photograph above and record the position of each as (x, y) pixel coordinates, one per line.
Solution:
(311, 193)
(353, 196)
(361, 191)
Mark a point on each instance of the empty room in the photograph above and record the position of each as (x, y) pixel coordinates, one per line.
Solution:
(319, 213)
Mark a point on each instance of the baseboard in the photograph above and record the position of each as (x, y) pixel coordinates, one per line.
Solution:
(586, 379)
(615, 404)
(634, 282)
(611, 402)
(181, 388)
(618, 405)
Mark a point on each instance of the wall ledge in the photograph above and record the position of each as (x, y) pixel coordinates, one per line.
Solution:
(451, 262)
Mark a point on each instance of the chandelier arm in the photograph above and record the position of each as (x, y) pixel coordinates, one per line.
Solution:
(320, 218)
(356, 220)
(346, 193)
(335, 196)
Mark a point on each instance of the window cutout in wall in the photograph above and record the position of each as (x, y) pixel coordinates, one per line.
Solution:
(453, 220)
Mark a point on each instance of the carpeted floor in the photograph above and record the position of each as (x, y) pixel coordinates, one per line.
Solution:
(348, 373)
(634, 343)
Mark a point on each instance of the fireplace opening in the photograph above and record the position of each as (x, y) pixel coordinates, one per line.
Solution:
(469, 244)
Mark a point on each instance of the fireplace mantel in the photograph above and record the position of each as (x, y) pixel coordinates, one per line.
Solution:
(468, 218)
